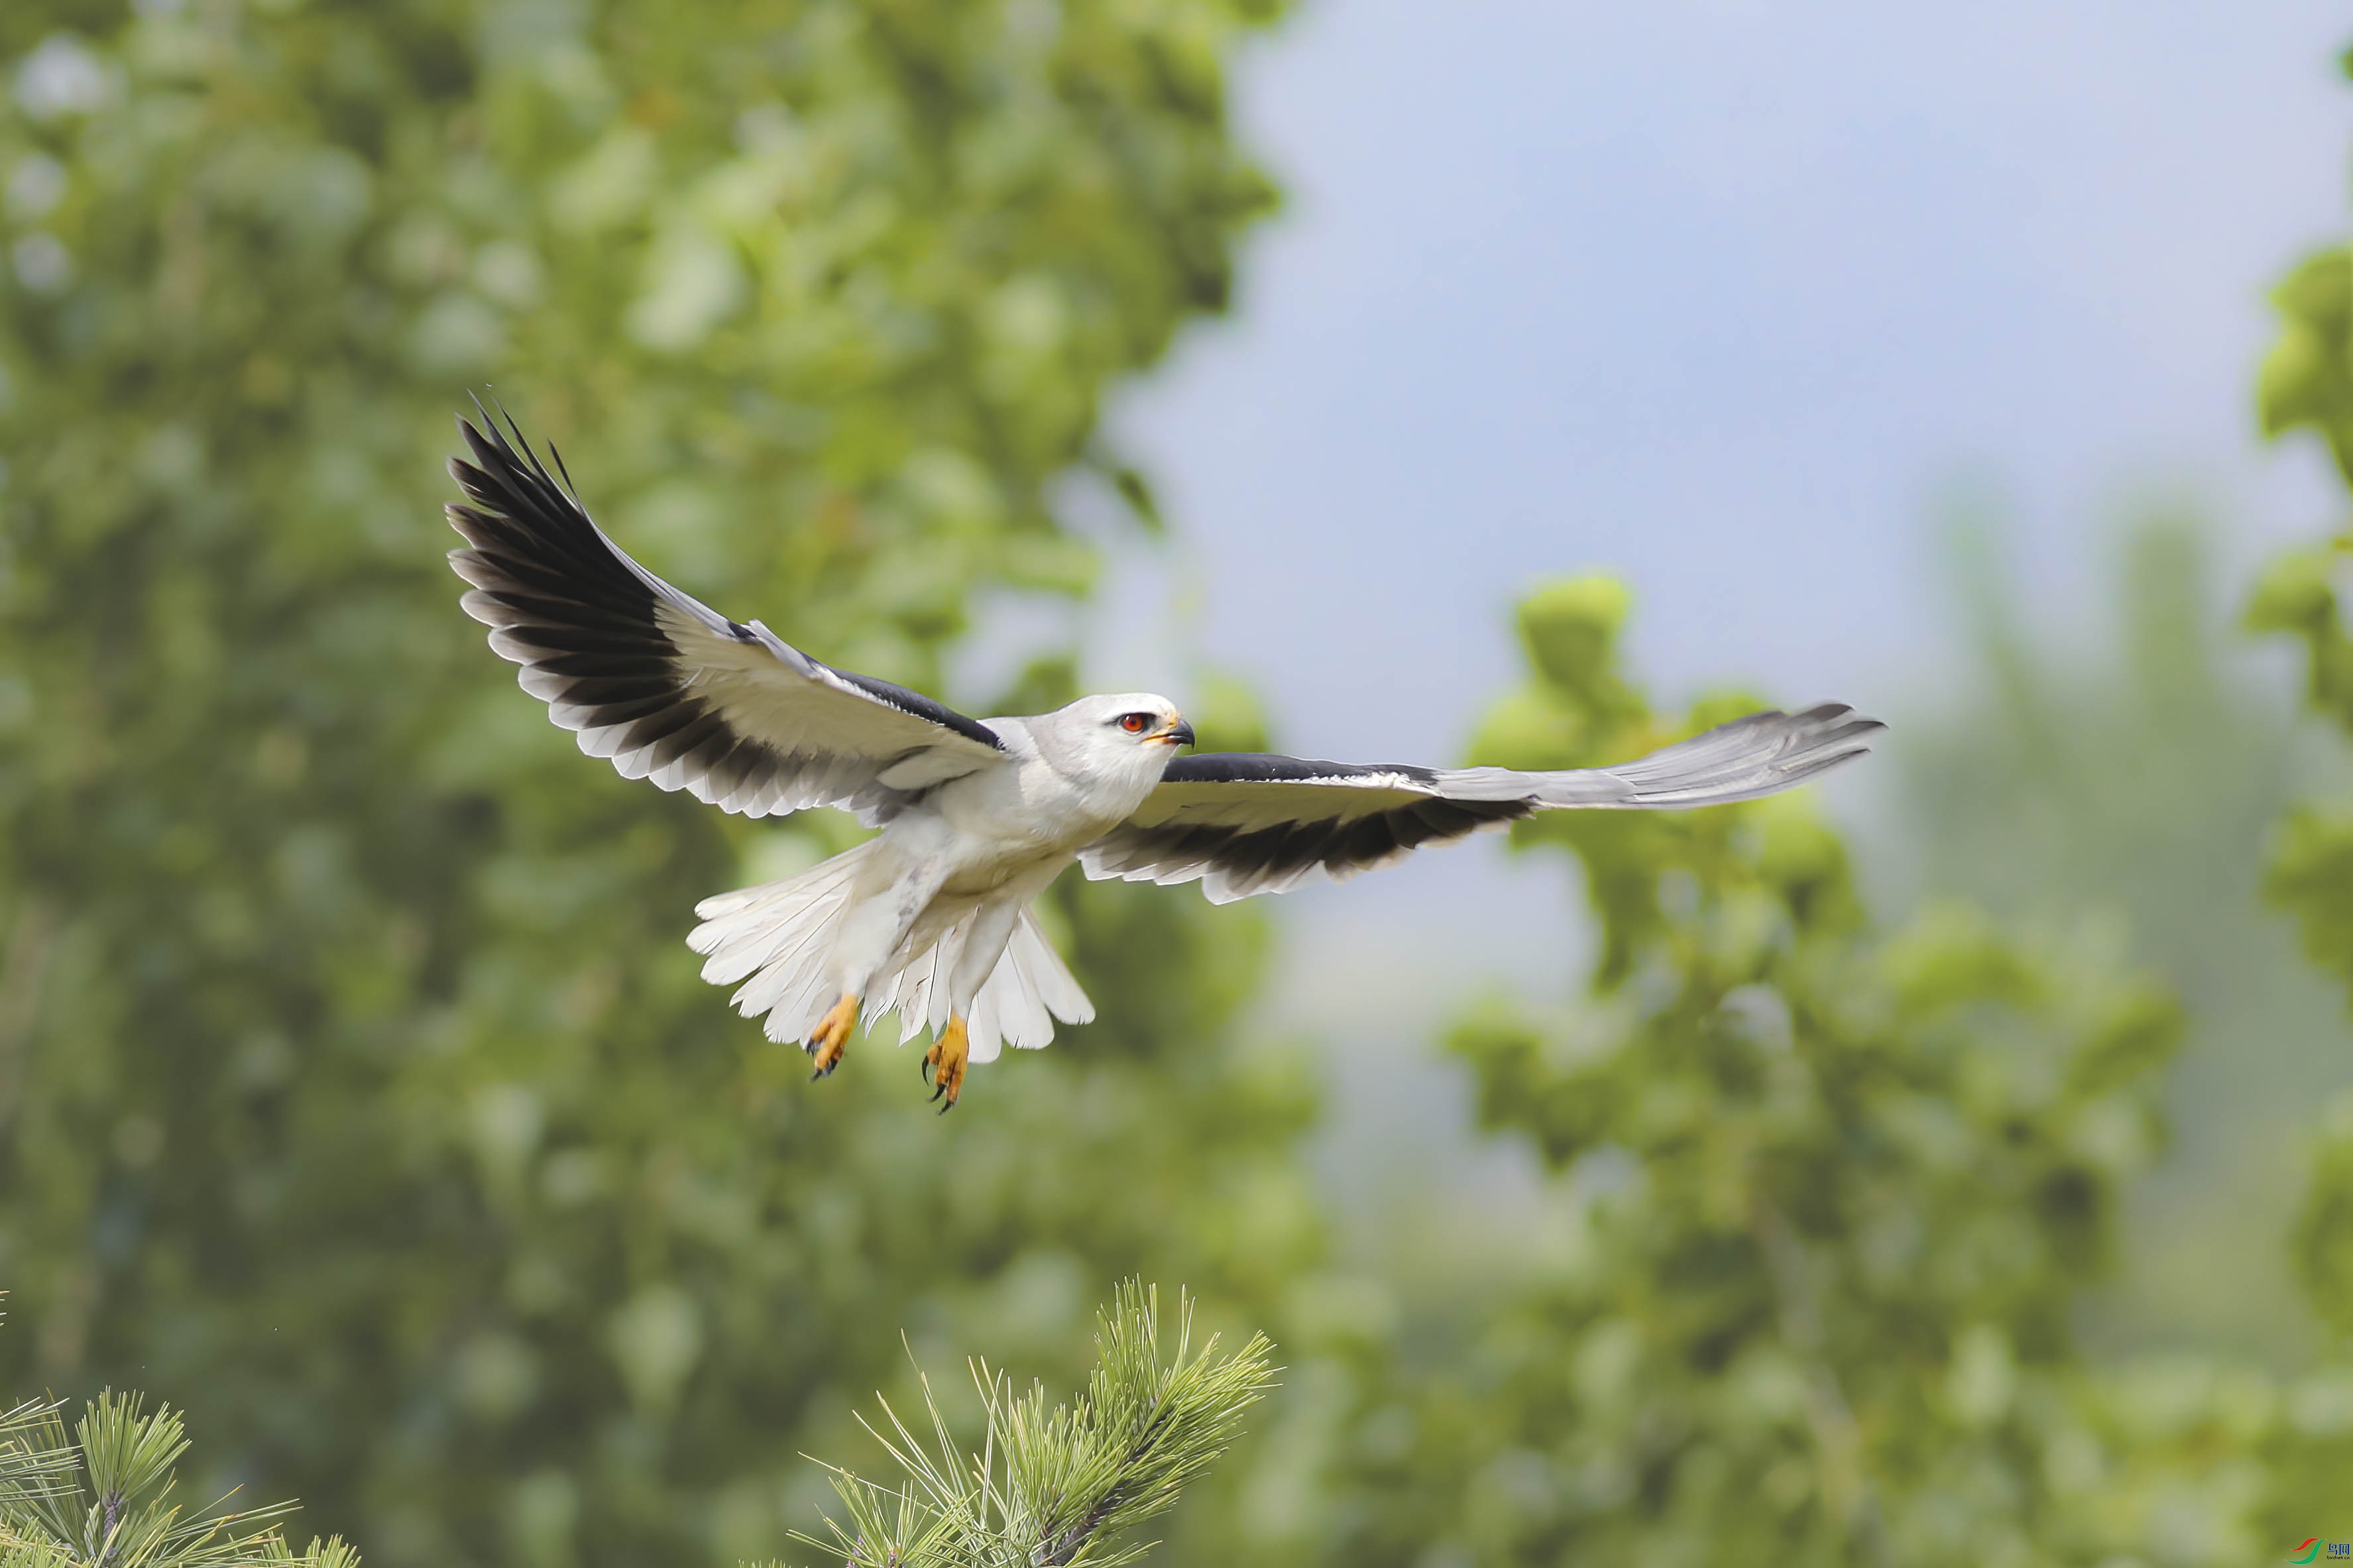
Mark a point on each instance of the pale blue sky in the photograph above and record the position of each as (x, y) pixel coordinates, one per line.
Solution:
(1715, 293)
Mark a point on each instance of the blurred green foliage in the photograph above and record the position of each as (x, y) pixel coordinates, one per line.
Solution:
(2307, 385)
(2120, 772)
(356, 1089)
(1836, 1193)
(1835, 1196)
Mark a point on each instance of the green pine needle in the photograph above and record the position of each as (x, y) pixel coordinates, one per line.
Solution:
(99, 1498)
(1055, 1487)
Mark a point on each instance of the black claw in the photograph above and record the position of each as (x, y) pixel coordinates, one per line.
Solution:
(945, 1109)
(942, 1090)
(816, 1075)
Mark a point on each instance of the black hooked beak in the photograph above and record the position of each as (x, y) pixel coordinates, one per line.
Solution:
(1179, 733)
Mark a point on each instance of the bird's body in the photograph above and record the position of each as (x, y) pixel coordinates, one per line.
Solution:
(928, 907)
(932, 916)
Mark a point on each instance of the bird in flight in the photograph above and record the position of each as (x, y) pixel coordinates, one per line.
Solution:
(932, 917)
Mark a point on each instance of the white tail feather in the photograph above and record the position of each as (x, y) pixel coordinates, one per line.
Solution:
(780, 935)
(776, 938)
(1028, 989)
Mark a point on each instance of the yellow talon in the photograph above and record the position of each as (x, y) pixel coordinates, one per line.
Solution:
(945, 1063)
(832, 1037)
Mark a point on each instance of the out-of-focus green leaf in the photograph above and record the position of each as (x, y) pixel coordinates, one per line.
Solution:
(1834, 1192)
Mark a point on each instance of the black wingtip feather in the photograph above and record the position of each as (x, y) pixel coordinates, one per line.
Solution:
(553, 452)
(598, 636)
(527, 521)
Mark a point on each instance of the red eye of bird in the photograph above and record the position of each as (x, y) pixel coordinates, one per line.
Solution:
(1134, 723)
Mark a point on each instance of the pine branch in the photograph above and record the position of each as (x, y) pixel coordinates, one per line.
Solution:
(100, 1498)
(1054, 1487)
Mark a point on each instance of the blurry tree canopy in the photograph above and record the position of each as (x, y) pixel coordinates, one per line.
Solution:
(356, 1090)
(2122, 770)
(1834, 1194)
(2307, 385)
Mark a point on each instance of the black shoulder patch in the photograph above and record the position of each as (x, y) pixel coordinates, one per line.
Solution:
(922, 707)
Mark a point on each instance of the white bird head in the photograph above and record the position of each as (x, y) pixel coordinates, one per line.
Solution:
(1123, 736)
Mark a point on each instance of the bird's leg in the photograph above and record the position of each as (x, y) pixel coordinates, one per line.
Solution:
(992, 927)
(826, 1046)
(944, 1063)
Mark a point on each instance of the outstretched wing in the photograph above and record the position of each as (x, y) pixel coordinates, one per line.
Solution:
(668, 688)
(1242, 823)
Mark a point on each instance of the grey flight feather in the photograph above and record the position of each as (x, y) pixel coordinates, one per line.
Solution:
(1244, 823)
